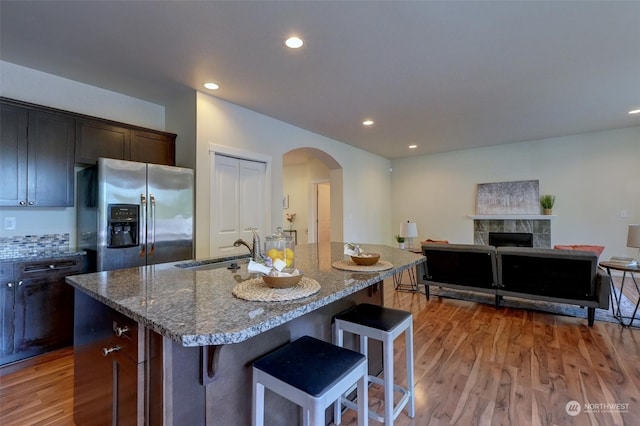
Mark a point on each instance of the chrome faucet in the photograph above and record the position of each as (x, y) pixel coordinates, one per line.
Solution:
(254, 249)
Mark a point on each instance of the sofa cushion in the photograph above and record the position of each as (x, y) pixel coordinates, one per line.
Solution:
(548, 272)
(460, 264)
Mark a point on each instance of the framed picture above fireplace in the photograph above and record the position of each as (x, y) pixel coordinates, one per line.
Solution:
(516, 197)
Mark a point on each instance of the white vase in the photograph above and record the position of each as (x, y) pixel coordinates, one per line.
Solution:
(401, 246)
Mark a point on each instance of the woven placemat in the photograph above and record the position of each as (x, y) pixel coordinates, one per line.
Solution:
(256, 290)
(350, 265)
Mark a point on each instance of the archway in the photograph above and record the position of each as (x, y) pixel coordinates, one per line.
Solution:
(305, 173)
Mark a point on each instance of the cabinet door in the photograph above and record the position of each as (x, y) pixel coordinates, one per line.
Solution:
(50, 160)
(155, 148)
(7, 292)
(95, 139)
(128, 379)
(43, 315)
(13, 155)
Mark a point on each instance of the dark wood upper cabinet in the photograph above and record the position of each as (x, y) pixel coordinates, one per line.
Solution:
(36, 158)
(154, 148)
(51, 160)
(39, 147)
(96, 139)
(14, 123)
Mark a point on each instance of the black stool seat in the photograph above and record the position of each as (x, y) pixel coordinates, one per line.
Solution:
(374, 316)
(309, 364)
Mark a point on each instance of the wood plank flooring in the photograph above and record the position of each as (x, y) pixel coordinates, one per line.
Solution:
(40, 393)
(474, 365)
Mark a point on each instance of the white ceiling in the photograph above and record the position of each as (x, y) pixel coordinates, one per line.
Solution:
(445, 75)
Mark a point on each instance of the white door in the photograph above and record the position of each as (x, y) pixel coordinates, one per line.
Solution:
(237, 203)
(324, 213)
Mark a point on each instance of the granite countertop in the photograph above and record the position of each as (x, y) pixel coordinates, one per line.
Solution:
(196, 307)
(44, 255)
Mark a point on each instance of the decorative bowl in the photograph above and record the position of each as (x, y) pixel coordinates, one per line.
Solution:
(366, 259)
(282, 281)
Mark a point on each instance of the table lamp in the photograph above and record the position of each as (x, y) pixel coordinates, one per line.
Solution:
(408, 230)
(633, 240)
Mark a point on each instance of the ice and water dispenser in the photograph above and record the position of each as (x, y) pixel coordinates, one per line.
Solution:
(122, 226)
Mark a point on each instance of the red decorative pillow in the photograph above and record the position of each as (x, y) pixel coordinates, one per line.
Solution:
(596, 249)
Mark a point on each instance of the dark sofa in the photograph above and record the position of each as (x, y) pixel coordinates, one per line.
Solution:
(561, 276)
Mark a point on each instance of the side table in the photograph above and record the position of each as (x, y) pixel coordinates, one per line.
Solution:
(413, 282)
(616, 296)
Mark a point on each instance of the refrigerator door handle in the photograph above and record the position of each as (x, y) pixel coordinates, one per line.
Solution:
(152, 200)
(143, 225)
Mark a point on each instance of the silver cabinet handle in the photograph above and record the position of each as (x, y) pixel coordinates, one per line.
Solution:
(31, 203)
(120, 331)
(23, 203)
(10, 285)
(19, 283)
(107, 351)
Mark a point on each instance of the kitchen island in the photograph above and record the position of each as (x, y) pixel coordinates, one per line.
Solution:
(178, 346)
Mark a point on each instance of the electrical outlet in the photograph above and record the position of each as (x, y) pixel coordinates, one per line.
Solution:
(623, 213)
(9, 223)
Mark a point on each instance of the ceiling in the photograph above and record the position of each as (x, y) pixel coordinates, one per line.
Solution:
(443, 75)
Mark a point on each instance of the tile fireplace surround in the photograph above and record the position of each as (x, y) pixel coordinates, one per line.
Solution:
(538, 225)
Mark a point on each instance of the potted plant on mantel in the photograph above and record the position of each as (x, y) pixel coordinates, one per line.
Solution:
(400, 241)
(547, 201)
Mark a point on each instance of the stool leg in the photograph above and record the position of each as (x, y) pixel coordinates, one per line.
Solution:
(363, 401)
(364, 346)
(257, 418)
(388, 379)
(409, 360)
(338, 337)
(317, 415)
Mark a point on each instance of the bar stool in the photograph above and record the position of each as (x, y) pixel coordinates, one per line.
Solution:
(312, 374)
(383, 324)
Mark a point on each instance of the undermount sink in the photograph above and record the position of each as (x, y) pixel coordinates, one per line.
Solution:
(203, 265)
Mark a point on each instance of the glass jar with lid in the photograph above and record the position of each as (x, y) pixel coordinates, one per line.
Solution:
(280, 246)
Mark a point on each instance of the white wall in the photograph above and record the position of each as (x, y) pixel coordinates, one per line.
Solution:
(594, 176)
(366, 180)
(40, 88)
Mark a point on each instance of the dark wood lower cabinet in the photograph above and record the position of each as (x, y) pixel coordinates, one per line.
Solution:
(37, 307)
(109, 366)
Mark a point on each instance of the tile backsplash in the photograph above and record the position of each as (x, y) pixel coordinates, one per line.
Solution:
(31, 245)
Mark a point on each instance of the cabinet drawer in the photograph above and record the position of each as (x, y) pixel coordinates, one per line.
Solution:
(127, 336)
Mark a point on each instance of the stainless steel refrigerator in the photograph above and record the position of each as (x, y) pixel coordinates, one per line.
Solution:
(134, 214)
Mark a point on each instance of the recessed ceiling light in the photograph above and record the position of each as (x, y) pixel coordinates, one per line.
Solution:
(294, 42)
(367, 123)
(211, 86)
(413, 146)
(634, 111)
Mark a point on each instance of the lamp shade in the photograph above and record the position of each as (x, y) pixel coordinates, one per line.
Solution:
(633, 236)
(408, 229)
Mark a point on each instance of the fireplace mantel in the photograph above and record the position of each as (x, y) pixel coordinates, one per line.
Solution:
(511, 216)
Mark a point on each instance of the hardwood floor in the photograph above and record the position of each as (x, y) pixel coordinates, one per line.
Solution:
(40, 393)
(474, 365)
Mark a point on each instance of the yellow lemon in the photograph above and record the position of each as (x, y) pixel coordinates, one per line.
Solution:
(289, 253)
(275, 254)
